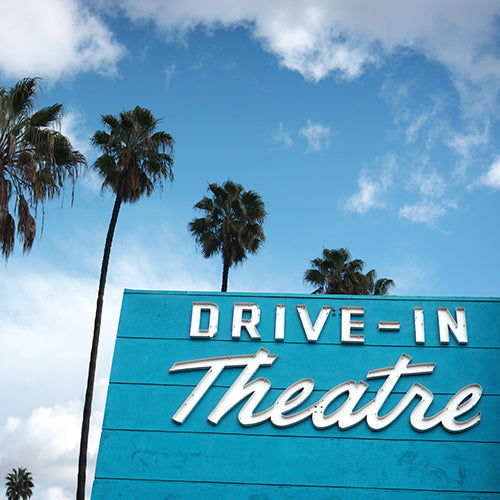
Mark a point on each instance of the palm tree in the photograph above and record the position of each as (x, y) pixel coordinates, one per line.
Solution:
(35, 160)
(336, 273)
(135, 160)
(19, 484)
(232, 224)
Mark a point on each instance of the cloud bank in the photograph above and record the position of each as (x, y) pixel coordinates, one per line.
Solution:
(47, 444)
(320, 38)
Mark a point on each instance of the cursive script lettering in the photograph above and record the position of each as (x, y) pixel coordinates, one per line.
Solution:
(346, 416)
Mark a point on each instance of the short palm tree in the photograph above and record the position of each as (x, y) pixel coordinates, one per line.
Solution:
(136, 158)
(35, 160)
(19, 484)
(231, 225)
(336, 273)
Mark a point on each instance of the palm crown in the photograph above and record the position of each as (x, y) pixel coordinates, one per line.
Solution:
(19, 484)
(232, 224)
(35, 160)
(135, 158)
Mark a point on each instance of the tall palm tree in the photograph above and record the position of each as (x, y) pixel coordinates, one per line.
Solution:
(19, 484)
(231, 225)
(336, 273)
(136, 158)
(35, 160)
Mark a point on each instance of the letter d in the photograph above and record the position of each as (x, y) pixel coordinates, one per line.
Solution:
(196, 331)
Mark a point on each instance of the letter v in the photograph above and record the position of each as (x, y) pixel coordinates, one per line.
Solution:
(313, 332)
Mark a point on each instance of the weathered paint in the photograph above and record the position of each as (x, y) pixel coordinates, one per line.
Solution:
(145, 454)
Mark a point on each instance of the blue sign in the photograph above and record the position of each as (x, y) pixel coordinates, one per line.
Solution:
(216, 395)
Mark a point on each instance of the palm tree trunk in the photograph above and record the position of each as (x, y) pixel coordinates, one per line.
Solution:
(225, 274)
(82, 461)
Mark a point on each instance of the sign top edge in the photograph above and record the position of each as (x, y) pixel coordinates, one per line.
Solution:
(307, 295)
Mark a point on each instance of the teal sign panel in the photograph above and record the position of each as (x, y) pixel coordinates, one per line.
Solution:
(216, 395)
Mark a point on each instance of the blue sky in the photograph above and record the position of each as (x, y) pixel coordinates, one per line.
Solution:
(368, 127)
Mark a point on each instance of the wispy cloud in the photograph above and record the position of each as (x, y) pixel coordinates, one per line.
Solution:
(282, 136)
(466, 144)
(169, 74)
(427, 181)
(317, 136)
(372, 187)
(432, 187)
(60, 38)
(427, 211)
(422, 212)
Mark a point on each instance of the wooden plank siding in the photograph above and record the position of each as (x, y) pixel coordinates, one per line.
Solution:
(145, 454)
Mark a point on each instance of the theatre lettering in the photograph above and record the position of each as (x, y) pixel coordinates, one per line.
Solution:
(294, 396)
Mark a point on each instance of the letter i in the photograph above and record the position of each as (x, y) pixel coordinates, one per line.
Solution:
(418, 315)
(279, 328)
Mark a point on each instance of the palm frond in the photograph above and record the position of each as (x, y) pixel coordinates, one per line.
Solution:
(46, 116)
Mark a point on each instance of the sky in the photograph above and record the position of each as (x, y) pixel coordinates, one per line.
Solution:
(366, 125)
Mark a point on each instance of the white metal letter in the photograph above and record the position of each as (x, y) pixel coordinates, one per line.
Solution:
(279, 328)
(446, 323)
(292, 397)
(250, 323)
(349, 324)
(465, 399)
(418, 317)
(251, 362)
(243, 388)
(312, 332)
(213, 320)
(393, 373)
(344, 416)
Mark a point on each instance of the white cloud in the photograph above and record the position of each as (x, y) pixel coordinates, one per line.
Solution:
(47, 444)
(491, 178)
(282, 136)
(47, 318)
(52, 493)
(54, 38)
(319, 37)
(366, 198)
(372, 188)
(317, 135)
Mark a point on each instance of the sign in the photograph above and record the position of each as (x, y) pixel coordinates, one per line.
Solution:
(219, 394)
